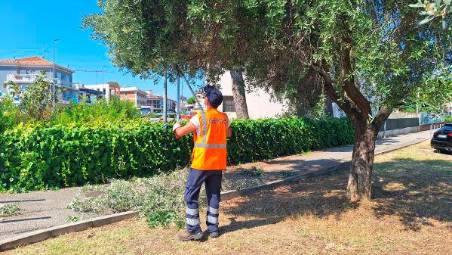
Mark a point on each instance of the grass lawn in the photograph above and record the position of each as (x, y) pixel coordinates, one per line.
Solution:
(410, 214)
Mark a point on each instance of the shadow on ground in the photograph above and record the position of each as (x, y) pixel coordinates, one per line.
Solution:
(416, 191)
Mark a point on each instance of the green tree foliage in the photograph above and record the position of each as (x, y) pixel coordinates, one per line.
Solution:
(10, 116)
(191, 100)
(432, 97)
(38, 100)
(438, 9)
(369, 55)
(13, 88)
(100, 114)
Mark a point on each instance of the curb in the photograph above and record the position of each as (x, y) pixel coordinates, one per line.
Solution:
(41, 235)
(226, 195)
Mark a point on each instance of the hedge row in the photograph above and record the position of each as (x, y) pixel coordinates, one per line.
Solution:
(58, 156)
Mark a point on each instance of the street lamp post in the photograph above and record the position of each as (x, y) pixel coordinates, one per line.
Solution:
(53, 72)
(165, 97)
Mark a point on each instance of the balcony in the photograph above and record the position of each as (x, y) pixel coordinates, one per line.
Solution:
(28, 78)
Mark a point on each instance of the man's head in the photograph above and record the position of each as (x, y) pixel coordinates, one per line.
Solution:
(213, 96)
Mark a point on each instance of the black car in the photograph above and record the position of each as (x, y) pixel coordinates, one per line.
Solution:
(442, 139)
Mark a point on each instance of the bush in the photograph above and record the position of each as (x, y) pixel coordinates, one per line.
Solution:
(100, 114)
(7, 210)
(59, 156)
(269, 138)
(448, 119)
(157, 198)
(48, 158)
(10, 115)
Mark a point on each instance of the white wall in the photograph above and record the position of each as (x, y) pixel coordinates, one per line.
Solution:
(260, 104)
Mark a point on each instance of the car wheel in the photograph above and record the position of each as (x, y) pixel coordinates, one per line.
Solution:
(443, 151)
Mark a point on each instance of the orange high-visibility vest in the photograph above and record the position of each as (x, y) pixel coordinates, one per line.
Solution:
(209, 152)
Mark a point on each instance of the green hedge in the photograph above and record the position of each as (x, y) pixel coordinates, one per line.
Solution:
(270, 138)
(54, 157)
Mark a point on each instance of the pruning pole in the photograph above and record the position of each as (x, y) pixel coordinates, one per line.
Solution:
(178, 98)
(165, 97)
(193, 92)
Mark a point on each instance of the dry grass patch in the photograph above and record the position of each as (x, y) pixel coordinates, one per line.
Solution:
(410, 214)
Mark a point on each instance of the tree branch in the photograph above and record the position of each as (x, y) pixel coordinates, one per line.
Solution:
(380, 118)
(348, 84)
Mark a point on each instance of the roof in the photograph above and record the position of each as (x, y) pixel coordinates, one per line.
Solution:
(31, 62)
(91, 91)
(133, 89)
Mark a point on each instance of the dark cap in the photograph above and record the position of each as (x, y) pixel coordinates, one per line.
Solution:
(213, 95)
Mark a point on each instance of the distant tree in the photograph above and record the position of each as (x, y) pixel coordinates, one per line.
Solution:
(13, 88)
(191, 100)
(38, 99)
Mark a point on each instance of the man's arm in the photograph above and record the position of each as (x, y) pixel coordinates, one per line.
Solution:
(229, 132)
(185, 130)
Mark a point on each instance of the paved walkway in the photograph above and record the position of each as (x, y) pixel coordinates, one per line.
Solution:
(45, 209)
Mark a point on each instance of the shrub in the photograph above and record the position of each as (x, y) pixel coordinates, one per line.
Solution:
(448, 119)
(100, 114)
(10, 115)
(7, 210)
(59, 156)
(269, 138)
(48, 158)
(158, 198)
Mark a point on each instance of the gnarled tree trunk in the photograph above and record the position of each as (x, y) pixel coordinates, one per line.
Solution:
(238, 93)
(360, 178)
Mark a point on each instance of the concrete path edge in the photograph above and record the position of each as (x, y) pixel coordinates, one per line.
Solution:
(41, 235)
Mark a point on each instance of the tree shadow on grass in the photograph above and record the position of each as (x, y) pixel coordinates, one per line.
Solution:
(318, 196)
(416, 191)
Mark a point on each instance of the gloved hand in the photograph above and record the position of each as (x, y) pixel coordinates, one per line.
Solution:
(176, 126)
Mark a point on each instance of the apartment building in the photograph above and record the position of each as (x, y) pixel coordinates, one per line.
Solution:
(25, 71)
(155, 103)
(109, 89)
(134, 95)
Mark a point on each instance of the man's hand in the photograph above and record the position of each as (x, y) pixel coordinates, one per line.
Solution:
(180, 131)
(176, 126)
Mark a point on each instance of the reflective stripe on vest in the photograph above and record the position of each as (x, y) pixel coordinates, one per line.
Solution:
(210, 146)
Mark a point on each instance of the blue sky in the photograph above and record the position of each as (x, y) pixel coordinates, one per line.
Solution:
(28, 28)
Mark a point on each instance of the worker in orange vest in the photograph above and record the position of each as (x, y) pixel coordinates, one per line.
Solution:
(210, 129)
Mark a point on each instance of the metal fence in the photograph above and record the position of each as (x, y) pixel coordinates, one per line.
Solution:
(426, 118)
(392, 124)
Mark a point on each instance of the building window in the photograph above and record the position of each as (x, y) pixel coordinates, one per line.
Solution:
(228, 104)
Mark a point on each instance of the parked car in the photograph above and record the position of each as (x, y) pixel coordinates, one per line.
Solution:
(442, 139)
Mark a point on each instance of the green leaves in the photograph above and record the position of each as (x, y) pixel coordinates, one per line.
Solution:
(431, 10)
(255, 140)
(55, 157)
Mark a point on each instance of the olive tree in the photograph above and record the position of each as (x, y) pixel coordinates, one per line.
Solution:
(367, 54)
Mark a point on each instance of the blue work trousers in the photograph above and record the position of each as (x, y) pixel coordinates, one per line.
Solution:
(212, 180)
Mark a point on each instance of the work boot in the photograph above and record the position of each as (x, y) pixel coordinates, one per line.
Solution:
(185, 236)
(214, 234)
